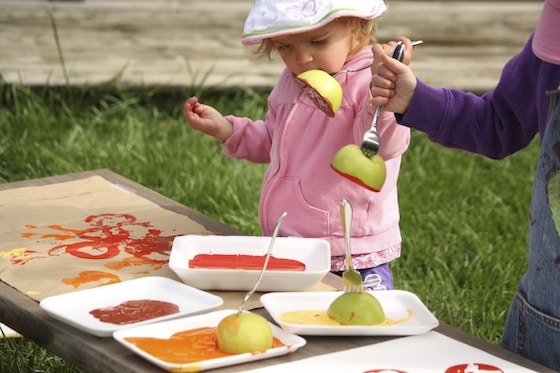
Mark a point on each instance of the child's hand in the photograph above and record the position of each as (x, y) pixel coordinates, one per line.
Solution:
(393, 83)
(206, 119)
(389, 47)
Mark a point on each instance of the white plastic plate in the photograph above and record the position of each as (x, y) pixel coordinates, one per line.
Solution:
(314, 253)
(397, 305)
(74, 308)
(166, 329)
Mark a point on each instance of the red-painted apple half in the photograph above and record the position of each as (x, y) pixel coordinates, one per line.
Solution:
(324, 90)
(351, 163)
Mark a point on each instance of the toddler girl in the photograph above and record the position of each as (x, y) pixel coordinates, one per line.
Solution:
(298, 140)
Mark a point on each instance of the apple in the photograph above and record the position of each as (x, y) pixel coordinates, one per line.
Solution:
(351, 163)
(244, 332)
(359, 308)
(324, 90)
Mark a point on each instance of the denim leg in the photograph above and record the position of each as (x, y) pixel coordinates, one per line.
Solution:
(533, 323)
(532, 334)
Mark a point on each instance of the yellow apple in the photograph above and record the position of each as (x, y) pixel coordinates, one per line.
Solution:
(324, 90)
(351, 163)
(244, 332)
(360, 308)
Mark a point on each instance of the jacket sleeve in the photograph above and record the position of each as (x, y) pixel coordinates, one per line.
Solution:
(252, 140)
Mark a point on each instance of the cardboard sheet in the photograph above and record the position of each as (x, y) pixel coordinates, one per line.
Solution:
(85, 233)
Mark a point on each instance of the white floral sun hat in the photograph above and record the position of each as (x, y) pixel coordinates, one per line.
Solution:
(270, 18)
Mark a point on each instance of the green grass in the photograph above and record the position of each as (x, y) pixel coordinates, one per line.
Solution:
(463, 217)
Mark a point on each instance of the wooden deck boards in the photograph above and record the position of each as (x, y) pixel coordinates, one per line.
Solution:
(195, 42)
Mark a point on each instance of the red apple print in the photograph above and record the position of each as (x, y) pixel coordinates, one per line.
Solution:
(473, 368)
(106, 236)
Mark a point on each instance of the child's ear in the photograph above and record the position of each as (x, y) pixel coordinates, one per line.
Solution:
(353, 22)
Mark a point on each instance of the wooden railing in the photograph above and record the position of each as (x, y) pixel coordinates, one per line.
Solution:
(194, 42)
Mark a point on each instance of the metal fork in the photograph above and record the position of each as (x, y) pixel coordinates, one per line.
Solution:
(351, 279)
(270, 245)
(371, 141)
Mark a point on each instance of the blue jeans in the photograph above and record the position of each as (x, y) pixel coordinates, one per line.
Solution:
(533, 324)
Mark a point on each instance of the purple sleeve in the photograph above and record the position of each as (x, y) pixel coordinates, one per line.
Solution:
(496, 124)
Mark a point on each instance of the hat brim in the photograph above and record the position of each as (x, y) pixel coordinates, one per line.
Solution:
(546, 41)
(257, 36)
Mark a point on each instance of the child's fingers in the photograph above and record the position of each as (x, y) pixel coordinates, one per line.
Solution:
(391, 66)
(383, 81)
(377, 52)
(375, 101)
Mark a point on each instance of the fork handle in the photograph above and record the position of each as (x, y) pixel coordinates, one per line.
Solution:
(346, 220)
(375, 118)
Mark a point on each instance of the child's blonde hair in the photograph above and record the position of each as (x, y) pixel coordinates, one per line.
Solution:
(362, 36)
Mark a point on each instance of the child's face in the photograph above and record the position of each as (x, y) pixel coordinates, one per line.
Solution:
(326, 48)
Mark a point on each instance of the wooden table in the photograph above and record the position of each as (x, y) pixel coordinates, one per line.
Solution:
(104, 355)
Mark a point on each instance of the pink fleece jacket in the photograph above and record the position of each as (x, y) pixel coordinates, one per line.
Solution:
(298, 141)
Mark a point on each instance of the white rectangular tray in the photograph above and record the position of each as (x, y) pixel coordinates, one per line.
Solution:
(396, 304)
(314, 253)
(74, 308)
(166, 329)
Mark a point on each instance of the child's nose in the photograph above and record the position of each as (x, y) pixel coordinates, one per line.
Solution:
(303, 56)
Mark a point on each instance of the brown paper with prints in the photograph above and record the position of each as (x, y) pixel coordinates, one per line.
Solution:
(82, 234)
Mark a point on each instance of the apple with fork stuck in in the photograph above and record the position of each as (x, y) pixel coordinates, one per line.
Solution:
(369, 172)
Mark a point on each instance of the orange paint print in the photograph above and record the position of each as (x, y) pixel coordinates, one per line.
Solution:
(130, 262)
(69, 233)
(86, 277)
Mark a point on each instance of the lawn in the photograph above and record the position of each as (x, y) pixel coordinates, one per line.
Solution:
(464, 218)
